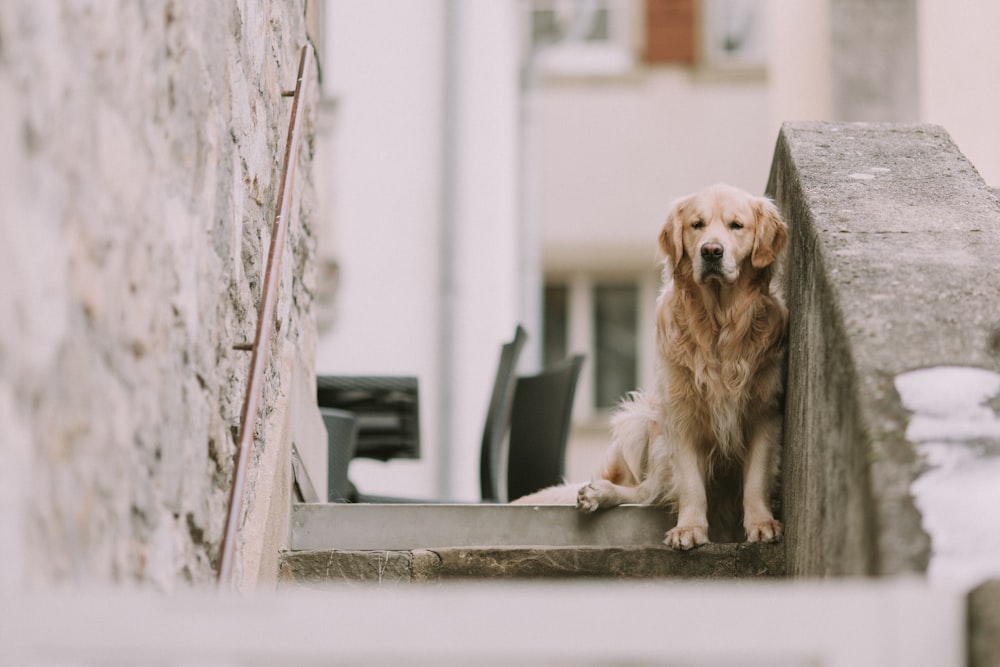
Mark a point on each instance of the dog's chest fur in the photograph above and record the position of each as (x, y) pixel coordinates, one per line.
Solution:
(714, 358)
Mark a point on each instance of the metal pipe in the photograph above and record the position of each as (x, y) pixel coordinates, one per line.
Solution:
(265, 321)
(447, 246)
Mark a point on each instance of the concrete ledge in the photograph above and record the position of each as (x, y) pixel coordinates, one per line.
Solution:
(983, 615)
(712, 561)
(892, 267)
(406, 527)
(762, 622)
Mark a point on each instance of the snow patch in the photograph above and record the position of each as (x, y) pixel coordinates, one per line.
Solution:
(957, 496)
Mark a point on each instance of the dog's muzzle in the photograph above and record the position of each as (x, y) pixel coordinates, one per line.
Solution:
(712, 252)
(712, 262)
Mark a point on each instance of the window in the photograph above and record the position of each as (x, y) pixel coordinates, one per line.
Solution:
(733, 32)
(601, 318)
(550, 25)
(555, 324)
(616, 311)
(578, 37)
(717, 34)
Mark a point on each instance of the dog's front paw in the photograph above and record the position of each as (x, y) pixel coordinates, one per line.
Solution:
(588, 498)
(769, 530)
(683, 538)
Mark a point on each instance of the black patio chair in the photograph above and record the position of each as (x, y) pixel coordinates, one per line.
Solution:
(498, 419)
(540, 423)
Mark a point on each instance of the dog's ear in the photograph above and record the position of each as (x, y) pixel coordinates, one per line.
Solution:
(770, 234)
(671, 236)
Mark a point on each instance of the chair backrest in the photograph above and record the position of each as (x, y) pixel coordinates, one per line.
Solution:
(342, 442)
(498, 416)
(539, 428)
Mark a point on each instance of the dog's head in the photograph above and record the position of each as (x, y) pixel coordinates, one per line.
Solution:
(721, 233)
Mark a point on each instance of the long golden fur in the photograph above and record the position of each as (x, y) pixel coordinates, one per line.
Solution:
(713, 421)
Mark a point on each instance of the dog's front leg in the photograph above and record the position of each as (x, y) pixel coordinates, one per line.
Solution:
(758, 477)
(692, 501)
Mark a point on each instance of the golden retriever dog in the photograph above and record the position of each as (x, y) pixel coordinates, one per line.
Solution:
(706, 439)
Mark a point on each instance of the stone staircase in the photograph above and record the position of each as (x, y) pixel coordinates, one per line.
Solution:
(391, 544)
(584, 589)
(863, 489)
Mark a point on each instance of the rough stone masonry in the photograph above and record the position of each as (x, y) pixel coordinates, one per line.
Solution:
(892, 271)
(140, 154)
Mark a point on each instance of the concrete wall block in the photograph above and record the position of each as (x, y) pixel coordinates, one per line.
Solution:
(714, 561)
(322, 568)
(142, 147)
(816, 486)
(885, 276)
(983, 612)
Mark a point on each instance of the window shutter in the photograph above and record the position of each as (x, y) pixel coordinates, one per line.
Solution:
(670, 31)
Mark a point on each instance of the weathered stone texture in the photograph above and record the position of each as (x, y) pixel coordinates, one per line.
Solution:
(712, 561)
(983, 613)
(888, 272)
(321, 568)
(140, 154)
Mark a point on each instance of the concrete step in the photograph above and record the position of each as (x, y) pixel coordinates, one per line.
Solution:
(424, 543)
(712, 561)
(408, 526)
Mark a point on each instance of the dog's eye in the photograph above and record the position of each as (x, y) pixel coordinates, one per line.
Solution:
(698, 224)
(736, 224)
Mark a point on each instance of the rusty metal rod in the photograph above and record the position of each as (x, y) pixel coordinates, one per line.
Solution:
(262, 337)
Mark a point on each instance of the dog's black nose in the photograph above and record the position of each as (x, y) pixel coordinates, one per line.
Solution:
(712, 250)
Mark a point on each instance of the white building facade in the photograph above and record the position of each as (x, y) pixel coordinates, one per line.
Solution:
(423, 219)
(504, 161)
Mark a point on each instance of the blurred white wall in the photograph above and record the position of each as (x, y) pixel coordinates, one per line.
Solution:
(960, 77)
(617, 150)
(424, 141)
(798, 61)
(614, 156)
(385, 70)
(486, 252)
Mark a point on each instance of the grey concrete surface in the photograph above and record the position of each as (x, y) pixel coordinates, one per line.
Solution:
(413, 526)
(890, 278)
(891, 268)
(712, 561)
(593, 622)
(392, 544)
(983, 615)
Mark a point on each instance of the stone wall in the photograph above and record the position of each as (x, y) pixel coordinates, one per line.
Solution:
(140, 154)
(891, 277)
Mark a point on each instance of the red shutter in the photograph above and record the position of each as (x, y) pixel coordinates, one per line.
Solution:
(670, 31)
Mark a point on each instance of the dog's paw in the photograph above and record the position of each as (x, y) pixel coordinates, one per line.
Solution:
(683, 538)
(769, 530)
(588, 498)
